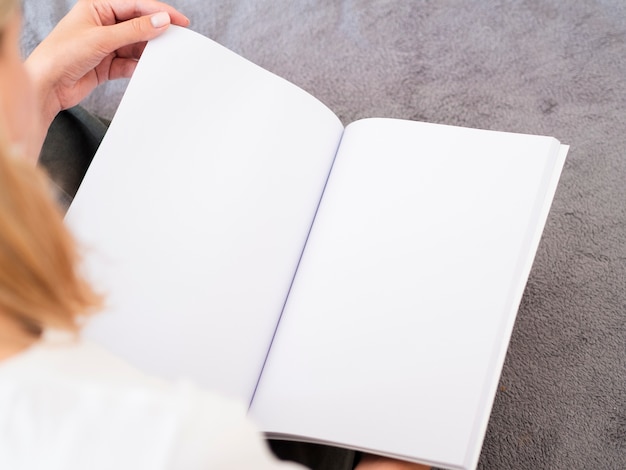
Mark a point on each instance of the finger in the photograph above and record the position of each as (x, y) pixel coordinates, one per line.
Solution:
(132, 51)
(122, 68)
(136, 30)
(126, 10)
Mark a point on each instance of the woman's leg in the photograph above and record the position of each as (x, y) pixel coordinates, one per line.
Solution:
(70, 145)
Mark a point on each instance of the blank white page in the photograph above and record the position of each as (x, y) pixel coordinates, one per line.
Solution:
(397, 324)
(196, 208)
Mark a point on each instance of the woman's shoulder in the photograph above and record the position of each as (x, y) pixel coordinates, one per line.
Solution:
(77, 403)
(63, 358)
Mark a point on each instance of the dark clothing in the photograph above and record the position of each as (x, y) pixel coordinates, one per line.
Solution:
(70, 145)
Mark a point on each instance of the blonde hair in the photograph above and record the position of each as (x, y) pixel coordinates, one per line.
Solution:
(7, 8)
(40, 285)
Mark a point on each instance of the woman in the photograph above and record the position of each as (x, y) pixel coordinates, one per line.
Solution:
(65, 403)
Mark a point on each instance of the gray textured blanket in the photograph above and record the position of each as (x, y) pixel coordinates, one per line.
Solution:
(535, 66)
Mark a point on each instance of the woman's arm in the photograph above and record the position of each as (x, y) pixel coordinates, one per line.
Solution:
(374, 462)
(98, 40)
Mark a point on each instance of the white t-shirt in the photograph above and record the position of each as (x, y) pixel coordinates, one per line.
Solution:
(69, 405)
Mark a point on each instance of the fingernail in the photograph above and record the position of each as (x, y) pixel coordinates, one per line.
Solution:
(160, 19)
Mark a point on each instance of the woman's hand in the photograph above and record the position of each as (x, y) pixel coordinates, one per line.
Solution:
(98, 40)
(374, 462)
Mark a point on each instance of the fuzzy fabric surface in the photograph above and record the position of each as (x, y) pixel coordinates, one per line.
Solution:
(534, 66)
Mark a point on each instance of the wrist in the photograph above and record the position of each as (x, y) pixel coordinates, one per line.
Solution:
(47, 104)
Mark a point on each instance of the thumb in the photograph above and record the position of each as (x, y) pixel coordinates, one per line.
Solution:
(138, 29)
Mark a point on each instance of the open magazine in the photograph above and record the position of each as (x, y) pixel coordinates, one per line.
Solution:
(356, 285)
